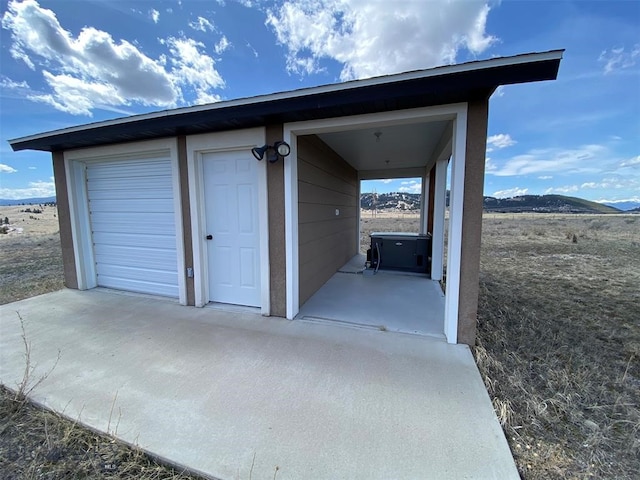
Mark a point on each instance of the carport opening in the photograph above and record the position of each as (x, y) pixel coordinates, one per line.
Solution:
(348, 187)
(389, 205)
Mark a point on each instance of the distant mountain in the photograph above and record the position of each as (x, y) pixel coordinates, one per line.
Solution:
(545, 203)
(525, 203)
(624, 205)
(411, 201)
(27, 201)
(390, 201)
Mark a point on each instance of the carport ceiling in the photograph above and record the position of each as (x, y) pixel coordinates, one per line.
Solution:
(398, 146)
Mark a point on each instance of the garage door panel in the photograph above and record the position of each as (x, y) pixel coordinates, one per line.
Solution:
(149, 223)
(127, 170)
(139, 274)
(139, 257)
(128, 183)
(131, 239)
(140, 286)
(132, 215)
(136, 193)
(132, 205)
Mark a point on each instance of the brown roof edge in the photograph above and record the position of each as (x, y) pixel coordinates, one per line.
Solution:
(418, 88)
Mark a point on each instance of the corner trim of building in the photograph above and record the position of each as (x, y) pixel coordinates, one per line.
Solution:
(456, 207)
(471, 235)
(64, 221)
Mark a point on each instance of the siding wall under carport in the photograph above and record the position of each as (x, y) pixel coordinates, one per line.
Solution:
(327, 213)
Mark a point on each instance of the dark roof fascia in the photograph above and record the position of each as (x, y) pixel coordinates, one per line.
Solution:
(438, 86)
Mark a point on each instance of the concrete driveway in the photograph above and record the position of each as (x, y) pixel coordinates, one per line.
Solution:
(208, 389)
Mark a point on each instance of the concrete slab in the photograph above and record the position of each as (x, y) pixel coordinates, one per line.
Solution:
(208, 389)
(392, 301)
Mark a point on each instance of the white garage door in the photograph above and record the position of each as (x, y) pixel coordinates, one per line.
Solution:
(133, 225)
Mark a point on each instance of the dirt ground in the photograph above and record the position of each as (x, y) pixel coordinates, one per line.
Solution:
(30, 255)
(558, 348)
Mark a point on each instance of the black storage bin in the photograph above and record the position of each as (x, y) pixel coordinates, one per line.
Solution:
(410, 252)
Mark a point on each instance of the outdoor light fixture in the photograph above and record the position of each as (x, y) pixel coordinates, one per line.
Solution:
(282, 148)
(275, 151)
(259, 152)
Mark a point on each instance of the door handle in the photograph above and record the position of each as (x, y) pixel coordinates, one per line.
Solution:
(209, 237)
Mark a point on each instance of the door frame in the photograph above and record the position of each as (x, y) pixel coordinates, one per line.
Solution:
(75, 170)
(457, 113)
(232, 141)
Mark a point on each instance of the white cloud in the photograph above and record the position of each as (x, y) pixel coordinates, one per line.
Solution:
(222, 45)
(489, 165)
(7, 169)
(617, 59)
(386, 180)
(117, 73)
(501, 140)
(39, 188)
(615, 183)
(565, 189)
(306, 66)
(197, 69)
(551, 160)
(202, 24)
(33, 168)
(76, 96)
(510, 192)
(632, 162)
(545, 177)
(155, 15)
(7, 83)
(624, 200)
(411, 186)
(376, 38)
(92, 70)
(253, 50)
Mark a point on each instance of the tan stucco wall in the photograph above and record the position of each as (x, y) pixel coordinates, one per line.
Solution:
(477, 117)
(277, 256)
(186, 216)
(64, 220)
(326, 241)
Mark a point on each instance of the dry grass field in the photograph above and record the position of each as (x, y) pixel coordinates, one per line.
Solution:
(386, 222)
(559, 341)
(559, 338)
(30, 255)
(558, 348)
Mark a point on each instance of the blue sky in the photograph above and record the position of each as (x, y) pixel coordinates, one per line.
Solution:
(65, 63)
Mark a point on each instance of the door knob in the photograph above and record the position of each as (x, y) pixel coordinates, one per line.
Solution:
(209, 237)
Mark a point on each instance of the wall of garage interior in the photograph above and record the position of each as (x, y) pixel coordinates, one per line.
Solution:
(327, 213)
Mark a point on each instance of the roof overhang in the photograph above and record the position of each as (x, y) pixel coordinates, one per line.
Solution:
(437, 86)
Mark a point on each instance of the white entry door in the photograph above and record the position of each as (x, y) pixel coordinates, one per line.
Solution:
(232, 227)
